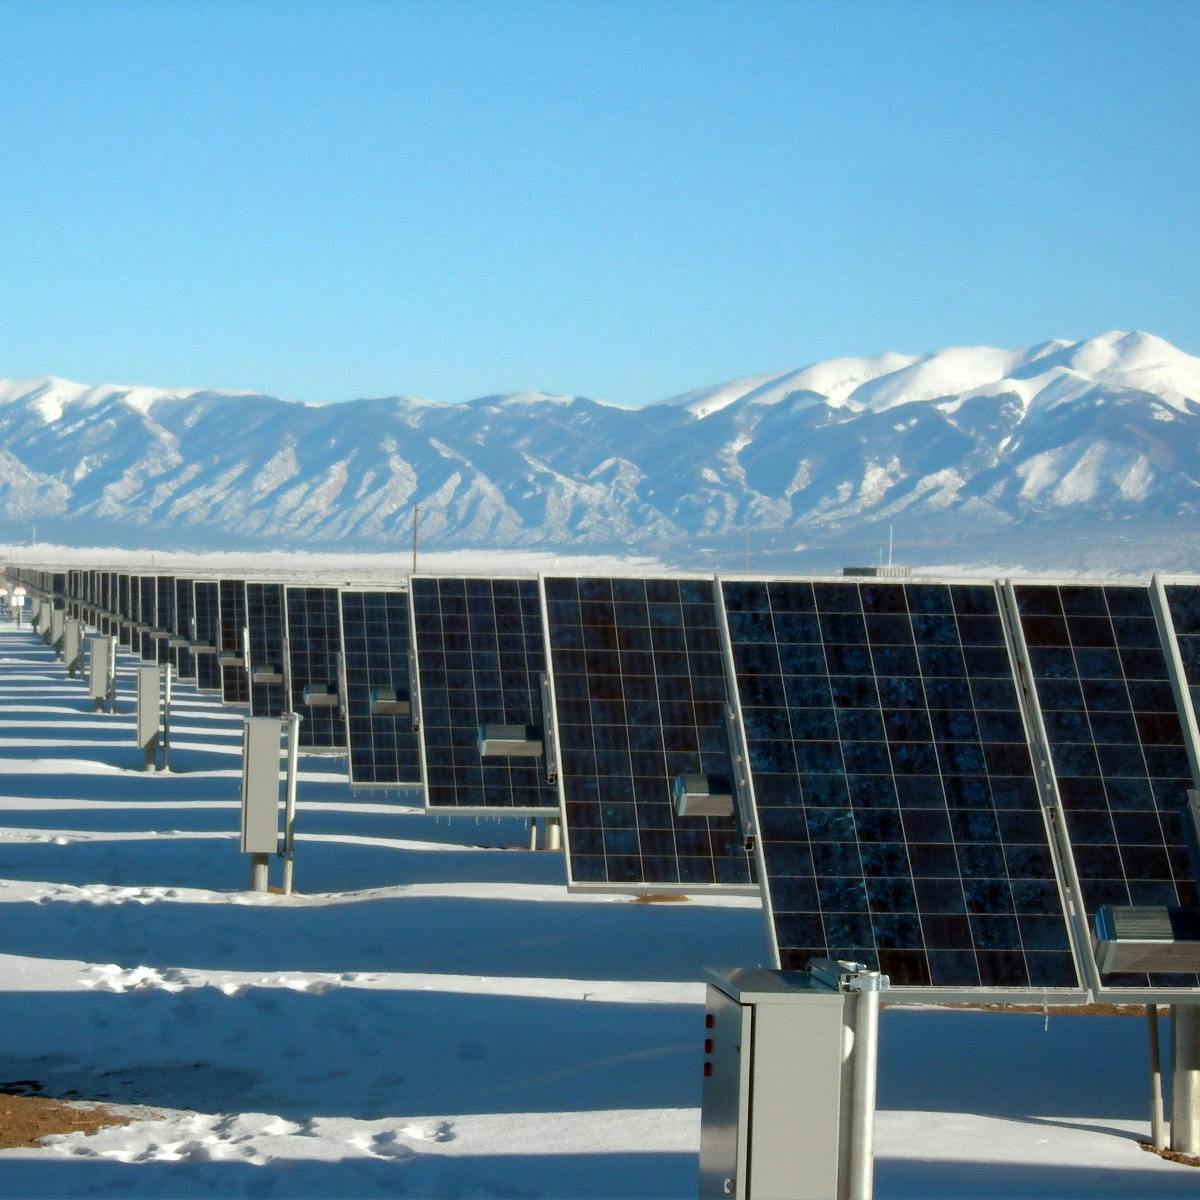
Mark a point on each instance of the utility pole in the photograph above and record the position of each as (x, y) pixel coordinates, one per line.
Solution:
(416, 519)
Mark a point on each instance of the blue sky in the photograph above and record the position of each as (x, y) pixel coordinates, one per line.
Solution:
(623, 200)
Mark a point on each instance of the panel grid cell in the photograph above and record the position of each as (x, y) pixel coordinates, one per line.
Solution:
(147, 617)
(640, 695)
(1116, 746)
(164, 616)
(375, 643)
(898, 815)
(480, 657)
(314, 649)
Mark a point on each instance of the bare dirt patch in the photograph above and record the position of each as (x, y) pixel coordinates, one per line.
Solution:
(25, 1120)
(1188, 1160)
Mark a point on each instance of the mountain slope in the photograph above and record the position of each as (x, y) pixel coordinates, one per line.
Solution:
(963, 448)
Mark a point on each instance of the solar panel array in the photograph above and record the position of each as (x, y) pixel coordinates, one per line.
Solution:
(480, 657)
(376, 642)
(314, 652)
(1116, 745)
(876, 764)
(639, 692)
(267, 653)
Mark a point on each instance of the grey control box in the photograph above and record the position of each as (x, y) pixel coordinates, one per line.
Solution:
(773, 1104)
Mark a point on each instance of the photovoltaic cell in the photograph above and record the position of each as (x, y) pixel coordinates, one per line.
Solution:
(898, 816)
(480, 657)
(264, 625)
(640, 695)
(235, 685)
(375, 644)
(206, 634)
(1116, 746)
(314, 649)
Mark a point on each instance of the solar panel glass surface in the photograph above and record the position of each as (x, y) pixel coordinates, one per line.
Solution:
(899, 820)
(376, 640)
(314, 650)
(1116, 746)
(265, 626)
(480, 657)
(640, 694)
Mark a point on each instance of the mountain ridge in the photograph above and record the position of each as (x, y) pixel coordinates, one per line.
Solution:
(959, 447)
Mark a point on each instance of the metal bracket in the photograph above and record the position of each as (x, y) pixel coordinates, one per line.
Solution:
(549, 729)
(740, 779)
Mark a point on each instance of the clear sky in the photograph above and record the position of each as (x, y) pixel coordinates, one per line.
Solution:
(624, 200)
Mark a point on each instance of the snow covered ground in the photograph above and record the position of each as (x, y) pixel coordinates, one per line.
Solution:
(433, 1015)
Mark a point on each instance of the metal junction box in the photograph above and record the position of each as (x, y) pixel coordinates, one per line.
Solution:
(73, 646)
(702, 796)
(101, 662)
(509, 741)
(149, 710)
(775, 1088)
(260, 785)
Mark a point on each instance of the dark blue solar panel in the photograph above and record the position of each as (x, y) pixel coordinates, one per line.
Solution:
(181, 656)
(164, 616)
(264, 625)
(206, 634)
(314, 649)
(480, 657)
(899, 820)
(640, 694)
(124, 609)
(1116, 745)
(376, 639)
(235, 684)
(147, 617)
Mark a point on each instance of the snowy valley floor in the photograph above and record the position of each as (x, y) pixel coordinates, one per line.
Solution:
(433, 1015)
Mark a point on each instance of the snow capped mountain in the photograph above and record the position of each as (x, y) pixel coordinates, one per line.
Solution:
(969, 450)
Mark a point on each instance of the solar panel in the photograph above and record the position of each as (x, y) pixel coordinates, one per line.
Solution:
(231, 610)
(164, 616)
(181, 653)
(314, 651)
(639, 690)
(376, 640)
(1116, 746)
(206, 634)
(266, 651)
(124, 609)
(898, 816)
(480, 658)
(147, 617)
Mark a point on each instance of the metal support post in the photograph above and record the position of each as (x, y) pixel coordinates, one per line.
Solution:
(166, 718)
(552, 839)
(861, 1168)
(533, 833)
(258, 872)
(1185, 1079)
(289, 802)
(1158, 1137)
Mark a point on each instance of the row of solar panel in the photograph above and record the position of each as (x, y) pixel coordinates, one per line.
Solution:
(921, 773)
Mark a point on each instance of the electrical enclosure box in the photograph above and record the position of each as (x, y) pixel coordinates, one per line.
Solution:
(149, 715)
(100, 667)
(772, 1123)
(260, 785)
(73, 646)
(509, 741)
(58, 624)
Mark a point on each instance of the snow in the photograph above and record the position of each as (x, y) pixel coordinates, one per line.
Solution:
(433, 1015)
